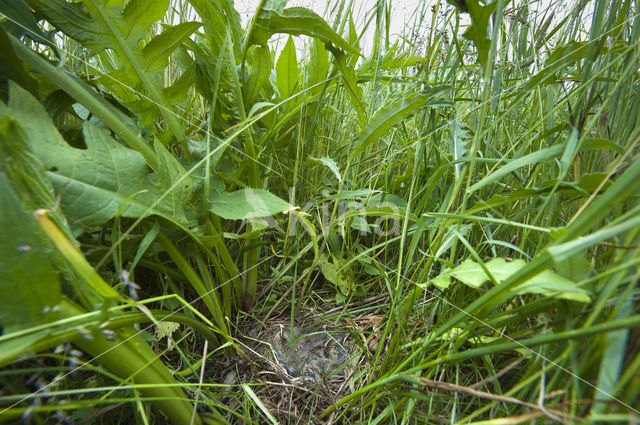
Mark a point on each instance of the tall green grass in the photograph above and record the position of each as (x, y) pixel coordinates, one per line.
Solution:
(467, 204)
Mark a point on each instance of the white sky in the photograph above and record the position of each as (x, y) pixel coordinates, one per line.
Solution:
(401, 13)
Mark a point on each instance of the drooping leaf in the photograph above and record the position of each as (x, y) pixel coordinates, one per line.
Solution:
(247, 204)
(296, 21)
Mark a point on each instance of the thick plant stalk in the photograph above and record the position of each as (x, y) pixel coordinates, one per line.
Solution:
(128, 355)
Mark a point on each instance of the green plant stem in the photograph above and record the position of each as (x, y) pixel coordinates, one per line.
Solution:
(627, 323)
(130, 357)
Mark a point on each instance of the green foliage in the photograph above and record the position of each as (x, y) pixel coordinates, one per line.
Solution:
(29, 292)
(122, 183)
(546, 283)
(247, 204)
(478, 226)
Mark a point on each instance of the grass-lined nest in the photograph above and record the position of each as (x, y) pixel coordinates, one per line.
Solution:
(297, 372)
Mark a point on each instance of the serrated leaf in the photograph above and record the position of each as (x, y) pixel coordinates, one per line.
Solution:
(97, 181)
(120, 26)
(387, 117)
(247, 204)
(478, 30)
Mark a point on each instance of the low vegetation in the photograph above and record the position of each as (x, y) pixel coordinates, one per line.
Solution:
(458, 203)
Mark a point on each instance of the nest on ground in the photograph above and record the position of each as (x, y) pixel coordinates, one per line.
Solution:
(296, 372)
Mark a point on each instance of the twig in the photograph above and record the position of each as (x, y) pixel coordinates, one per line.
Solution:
(445, 386)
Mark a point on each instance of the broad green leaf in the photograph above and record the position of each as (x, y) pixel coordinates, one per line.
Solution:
(106, 178)
(28, 283)
(443, 281)
(552, 284)
(470, 273)
(287, 70)
(102, 24)
(97, 181)
(546, 283)
(387, 117)
(296, 21)
(247, 204)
